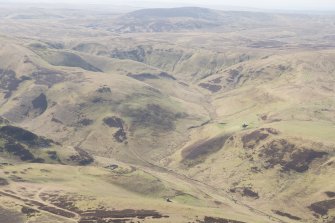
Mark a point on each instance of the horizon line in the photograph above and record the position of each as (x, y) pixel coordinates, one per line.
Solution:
(219, 7)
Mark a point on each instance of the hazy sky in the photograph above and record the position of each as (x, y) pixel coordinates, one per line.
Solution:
(262, 4)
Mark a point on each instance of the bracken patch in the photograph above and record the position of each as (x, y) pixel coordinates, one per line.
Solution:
(217, 220)
(322, 207)
(13, 133)
(197, 152)
(40, 103)
(211, 87)
(3, 182)
(284, 214)
(115, 122)
(83, 158)
(330, 194)
(288, 156)
(252, 139)
(245, 192)
(153, 116)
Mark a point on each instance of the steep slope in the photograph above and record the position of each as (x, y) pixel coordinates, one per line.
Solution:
(137, 108)
(19, 145)
(183, 63)
(272, 136)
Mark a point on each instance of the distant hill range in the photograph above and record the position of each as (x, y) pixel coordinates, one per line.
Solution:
(184, 12)
(181, 19)
(194, 18)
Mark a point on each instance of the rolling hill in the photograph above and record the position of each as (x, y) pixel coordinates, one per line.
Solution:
(167, 115)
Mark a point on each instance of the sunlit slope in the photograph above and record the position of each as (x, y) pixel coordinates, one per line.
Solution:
(107, 113)
(231, 119)
(285, 149)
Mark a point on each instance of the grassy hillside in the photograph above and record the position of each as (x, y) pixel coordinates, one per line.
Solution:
(166, 115)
